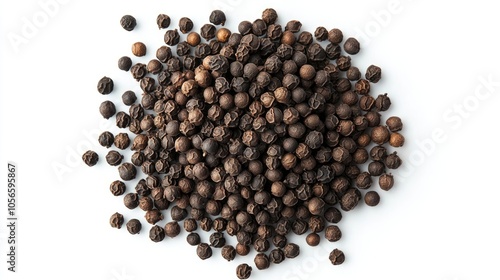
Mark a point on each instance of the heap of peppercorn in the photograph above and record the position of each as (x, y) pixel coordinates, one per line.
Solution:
(254, 134)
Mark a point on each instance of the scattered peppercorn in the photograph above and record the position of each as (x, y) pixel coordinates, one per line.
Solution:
(128, 22)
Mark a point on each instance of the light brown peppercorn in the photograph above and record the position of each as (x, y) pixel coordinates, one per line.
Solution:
(139, 49)
(223, 35)
(193, 39)
(396, 139)
(380, 135)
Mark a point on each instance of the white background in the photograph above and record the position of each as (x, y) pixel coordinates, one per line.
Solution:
(440, 222)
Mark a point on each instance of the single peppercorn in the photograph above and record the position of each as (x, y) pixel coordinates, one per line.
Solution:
(351, 46)
(394, 124)
(372, 198)
(337, 257)
(313, 239)
(396, 139)
(386, 181)
(373, 73)
(185, 25)
(107, 109)
(393, 161)
(333, 233)
(261, 261)
(163, 21)
(193, 239)
(380, 135)
(204, 251)
(335, 36)
(156, 233)
(90, 158)
(124, 63)
(139, 49)
(291, 250)
(217, 17)
(116, 220)
(243, 271)
(128, 22)
(134, 226)
(228, 252)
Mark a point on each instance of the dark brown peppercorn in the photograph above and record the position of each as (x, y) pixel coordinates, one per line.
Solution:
(129, 97)
(157, 233)
(204, 251)
(261, 261)
(335, 36)
(185, 25)
(106, 139)
(321, 33)
(393, 161)
(105, 85)
(171, 37)
(114, 158)
(107, 109)
(269, 16)
(386, 181)
(217, 17)
(153, 216)
(350, 199)
(243, 271)
(394, 124)
(228, 252)
(134, 226)
(351, 46)
(276, 256)
(332, 233)
(332, 215)
(380, 135)
(337, 257)
(291, 250)
(90, 158)
(172, 229)
(363, 180)
(122, 141)
(372, 198)
(313, 239)
(124, 63)
(217, 239)
(116, 220)
(131, 200)
(127, 171)
(117, 188)
(207, 31)
(376, 168)
(193, 239)
(128, 22)
(163, 21)
(383, 102)
(373, 73)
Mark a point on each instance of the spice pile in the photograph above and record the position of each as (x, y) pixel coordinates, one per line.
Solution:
(255, 134)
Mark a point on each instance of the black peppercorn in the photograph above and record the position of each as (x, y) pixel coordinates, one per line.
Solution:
(291, 250)
(386, 181)
(116, 220)
(90, 158)
(128, 22)
(156, 233)
(243, 271)
(337, 257)
(134, 226)
(393, 161)
(373, 73)
(163, 21)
